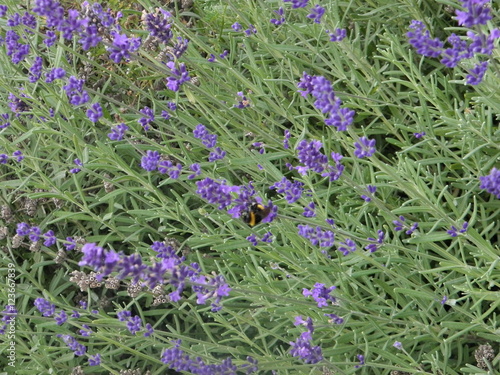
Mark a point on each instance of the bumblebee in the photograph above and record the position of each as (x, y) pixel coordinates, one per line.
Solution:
(255, 214)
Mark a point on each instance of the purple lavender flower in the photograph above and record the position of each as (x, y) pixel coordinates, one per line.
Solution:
(158, 25)
(370, 189)
(95, 360)
(214, 192)
(309, 210)
(209, 140)
(376, 243)
(50, 238)
(292, 190)
(180, 47)
(348, 246)
(3, 10)
(337, 35)
(178, 77)
(122, 47)
(35, 233)
(17, 51)
(361, 359)
(71, 244)
(134, 324)
(334, 318)
(224, 54)
(36, 69)
(149, 162)
(72, 24)
(94, 113)
(23, 229)
(280, 12)
(320, 294)
(216, 154)
(398, 345)
(477, 73)
(251, 30)
(61, 318)
(333, 172)
(419, 135)
(78, 163)
(215, 287)
(89, 37)
(244, 102)
(308, 154)
(196, 169)
(316, 236)
(364, 148)
(303, 349)
(86, 331)
(236, 26)
(211, 58)
(326, 101)
(74, 91)
(45, 307)
(476, 13)
(18, 155)
(419, 38)
(454, 231)
(173, 170)
(316, 13)
(5, 118)
(491, 182)
(51, 9)
(50, 38)
(286, 143)
(482, 43)
(297, 3)
(148, 117)
(75, 346)
(93, 256)
(3, 159)
(118, 132)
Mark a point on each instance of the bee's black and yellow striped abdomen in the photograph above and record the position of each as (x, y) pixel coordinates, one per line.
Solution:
(255, 214)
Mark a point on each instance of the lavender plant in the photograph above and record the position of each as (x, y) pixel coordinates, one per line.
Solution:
(249, 187)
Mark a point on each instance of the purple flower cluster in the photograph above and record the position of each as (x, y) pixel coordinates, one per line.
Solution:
(45, 307)
(94, 113)
(215, 192)
(75, 346)
(158, 25)
(134, 323)
(316, 13)
(148, 117)
(179, 75)
(317, 236)
(326, 101)
(375, 242)
(476, 13)
(254, 240)
(292, 190)
(118, 132)
(168, 269)
(370, 189)
(308, 154)
(297, 3)
(8, 314)
(364, 147)
(177, 359)
(337, 35)
(400, 224)
(348, 246)
(491, 182)
(320, 294)
(302, 347)
(309, 210)
(281, 14)
(454, 231)
(75, 92)
(152, 161)
(122, 47)
(34, 234)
